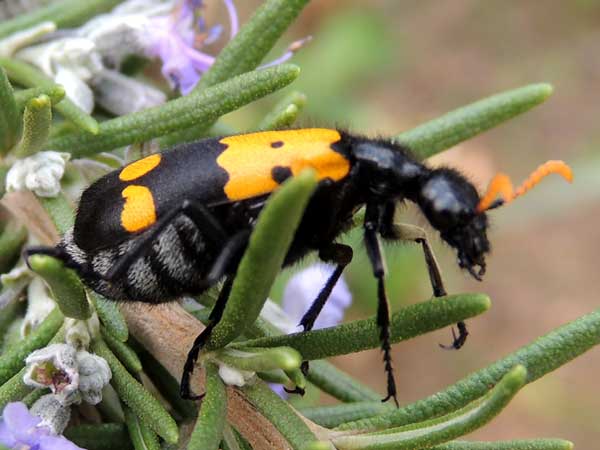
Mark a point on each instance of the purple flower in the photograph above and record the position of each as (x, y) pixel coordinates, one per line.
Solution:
(303, 288)
(175, 40)
(21, 430)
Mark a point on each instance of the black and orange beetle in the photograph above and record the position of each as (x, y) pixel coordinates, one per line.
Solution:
(177, 222)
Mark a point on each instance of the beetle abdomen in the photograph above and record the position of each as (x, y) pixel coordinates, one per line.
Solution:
(174, 264)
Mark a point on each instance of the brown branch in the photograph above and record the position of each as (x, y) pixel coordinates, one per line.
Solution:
(167, 331)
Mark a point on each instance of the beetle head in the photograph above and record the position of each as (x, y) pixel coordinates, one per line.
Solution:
(450, 203)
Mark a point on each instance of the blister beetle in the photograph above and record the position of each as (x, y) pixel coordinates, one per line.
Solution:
(177, 222)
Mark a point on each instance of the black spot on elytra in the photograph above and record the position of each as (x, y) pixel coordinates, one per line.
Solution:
(277, 144)
(280, 173)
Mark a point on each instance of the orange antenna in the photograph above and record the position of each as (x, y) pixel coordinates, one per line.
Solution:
(502, 186)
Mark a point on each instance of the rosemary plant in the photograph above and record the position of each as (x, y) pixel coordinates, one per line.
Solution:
(142, 350)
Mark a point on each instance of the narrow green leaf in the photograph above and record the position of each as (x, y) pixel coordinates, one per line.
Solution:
(65, 14)
(253, 41)
(352, 337)
(142, 437)
(13, 389)
(67, 290)
(280, 414)
(122, 351)
(468, 121)
(60, 211)
(208, 431)
(442, 429)
(55, 92)
(260, 359)
(11, 241)
(110, 316)
(332, 416)
(339, 384)
(529, 444)
(104, 436)
(134, 395)
(3, 171)
(37, 120)
(14, 359)
(9, 115)
(182, 112)
(167, 385)
(9, 314)
(263, 257)
(284, 113)
(542, 356)
(28, 76)
(242, 54)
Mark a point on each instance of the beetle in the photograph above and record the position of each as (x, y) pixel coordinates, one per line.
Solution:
(177, 222)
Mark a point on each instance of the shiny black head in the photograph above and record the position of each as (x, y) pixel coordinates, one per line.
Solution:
(450, 202)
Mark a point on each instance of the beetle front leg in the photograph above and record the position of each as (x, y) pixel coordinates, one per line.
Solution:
(412, 233)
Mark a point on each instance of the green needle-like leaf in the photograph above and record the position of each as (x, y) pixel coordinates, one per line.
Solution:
(110, 315)
(468, 121)
(34, 396)
(142, 437)
(351, 337)
(208, 431)
(445, 428)
(263, 257)
(252, 43)
(11, 242)
(284, 113)
(60, 211)
(260, 359)
(104, 436)
(122, 351)
(182, 112)
(280, 414)
(14, 389)
(332, 416)
(55, 92)
(530, 444)
(9, 115)
(540, 357)
(67, 290)
(339, 384)
(242, 54)
(29, 76)
(14, 359)
(134, 395)
(37, 120)
(66, 13)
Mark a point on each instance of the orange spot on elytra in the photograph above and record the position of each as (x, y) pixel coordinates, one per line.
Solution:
(502, 186)
(138, 168)
(139, 211)
(249, 158)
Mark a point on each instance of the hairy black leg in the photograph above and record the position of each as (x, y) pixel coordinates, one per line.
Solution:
(202, 339)
(405, 232)
(198, 213)
(341, 255)
(373, 246)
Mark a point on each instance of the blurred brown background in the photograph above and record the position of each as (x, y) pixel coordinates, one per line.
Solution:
(381, 67)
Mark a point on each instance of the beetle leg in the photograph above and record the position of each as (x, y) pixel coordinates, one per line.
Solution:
(405, 232)
(341, 255)
(373, 247)
(202, 339)
(229, 255)
(198, 213)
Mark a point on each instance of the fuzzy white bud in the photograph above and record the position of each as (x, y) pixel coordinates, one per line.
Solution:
(40, 173)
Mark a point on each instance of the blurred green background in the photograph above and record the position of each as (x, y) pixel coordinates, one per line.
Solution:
(381, 67)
